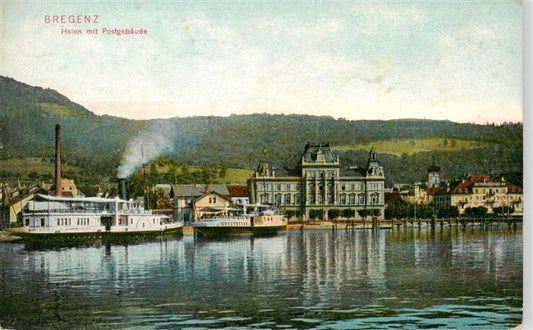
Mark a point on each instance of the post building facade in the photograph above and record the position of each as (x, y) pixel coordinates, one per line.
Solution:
(323, 184)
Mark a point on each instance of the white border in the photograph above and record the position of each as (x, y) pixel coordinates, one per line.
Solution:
(527, 319)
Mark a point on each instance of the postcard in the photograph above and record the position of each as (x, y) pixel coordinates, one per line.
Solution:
(262, 164)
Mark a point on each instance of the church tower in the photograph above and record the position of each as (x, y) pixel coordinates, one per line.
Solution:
(433, 175)
(263, 168)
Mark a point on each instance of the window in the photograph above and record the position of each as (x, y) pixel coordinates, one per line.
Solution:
(343, 199)
(288, 199)
(330, 197)
(278, 199)
(361, 199)
(42, 222)
(374, 199)
(352, 199)
(311, 198)
(297, 199)
(343, 187)
(279, 186)
(264, 198)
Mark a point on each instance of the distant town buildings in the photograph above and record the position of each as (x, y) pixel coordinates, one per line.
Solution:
(482, 191)
(322, 185)
(14, 199)
(493, 193)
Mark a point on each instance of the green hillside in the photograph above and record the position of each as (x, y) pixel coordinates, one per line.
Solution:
(413, 146)
(97, 145)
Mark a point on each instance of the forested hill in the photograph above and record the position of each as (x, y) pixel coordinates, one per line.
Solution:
(97, 143)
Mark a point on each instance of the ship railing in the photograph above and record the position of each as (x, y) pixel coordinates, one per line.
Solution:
(67, 229)
(64, 211)
(224, 217)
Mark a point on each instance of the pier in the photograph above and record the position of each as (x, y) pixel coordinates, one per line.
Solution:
(507, 223)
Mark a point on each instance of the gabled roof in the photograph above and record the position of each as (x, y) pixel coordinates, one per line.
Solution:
(225, 197)
(196, 190)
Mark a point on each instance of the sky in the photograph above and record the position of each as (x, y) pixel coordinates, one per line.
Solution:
(446, 60)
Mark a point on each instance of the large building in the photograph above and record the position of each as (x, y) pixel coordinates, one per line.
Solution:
(323, 184)
(482, 190)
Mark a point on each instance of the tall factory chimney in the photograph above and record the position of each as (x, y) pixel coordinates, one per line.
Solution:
(58, 160)
(122, 188)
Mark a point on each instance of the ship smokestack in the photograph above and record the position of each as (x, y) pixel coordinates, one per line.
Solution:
(58, 160)
(122, 188)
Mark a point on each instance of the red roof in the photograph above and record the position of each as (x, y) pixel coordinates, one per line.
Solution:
(238, 190)
(464, 186)
(514, 189)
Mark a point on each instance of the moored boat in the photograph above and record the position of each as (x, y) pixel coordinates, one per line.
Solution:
(65, 219)
(262, 220)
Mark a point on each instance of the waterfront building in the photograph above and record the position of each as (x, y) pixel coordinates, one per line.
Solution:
(482, 190)
(188, 199)
(322, 184)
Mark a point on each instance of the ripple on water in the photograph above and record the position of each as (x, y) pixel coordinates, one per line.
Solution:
(307, 320)
(199, 322)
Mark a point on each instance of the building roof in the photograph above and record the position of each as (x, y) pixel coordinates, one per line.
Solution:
(313, 153)
(465, 185)
(238, 190)
(436, 190)
(196, 190)
(433, 168)
(514, 189)
(352, 171)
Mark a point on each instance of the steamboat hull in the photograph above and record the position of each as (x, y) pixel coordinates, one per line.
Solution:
(214, 232)
(105, 236)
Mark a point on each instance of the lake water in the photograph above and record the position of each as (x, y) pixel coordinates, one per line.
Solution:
(407, 278)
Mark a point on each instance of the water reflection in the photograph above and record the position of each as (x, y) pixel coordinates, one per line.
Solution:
(363, 278)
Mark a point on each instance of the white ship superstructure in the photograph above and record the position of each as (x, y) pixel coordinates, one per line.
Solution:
(51, 214)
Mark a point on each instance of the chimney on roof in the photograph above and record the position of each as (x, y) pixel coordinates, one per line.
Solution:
(58, 160)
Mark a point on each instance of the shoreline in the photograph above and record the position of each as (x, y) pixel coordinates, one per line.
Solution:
(11, 236)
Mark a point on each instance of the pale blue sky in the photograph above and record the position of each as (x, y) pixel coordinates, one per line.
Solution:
(457, 60)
